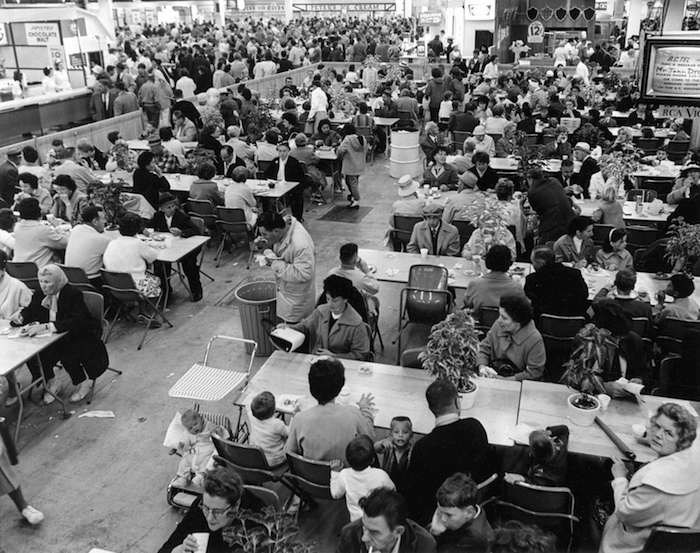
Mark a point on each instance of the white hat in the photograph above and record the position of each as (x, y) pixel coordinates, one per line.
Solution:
(549, 73)
(407, 186)
(584, 146)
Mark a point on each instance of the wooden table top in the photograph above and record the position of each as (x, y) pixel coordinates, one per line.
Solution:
(16, 351)
(396, 390)
(628, 211)
(544, 404)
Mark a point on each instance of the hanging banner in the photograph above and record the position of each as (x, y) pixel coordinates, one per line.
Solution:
(73, 28)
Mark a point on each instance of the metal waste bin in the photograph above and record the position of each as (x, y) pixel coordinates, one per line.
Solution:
(257, 305)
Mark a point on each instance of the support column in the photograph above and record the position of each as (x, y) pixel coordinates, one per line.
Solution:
(637, 12)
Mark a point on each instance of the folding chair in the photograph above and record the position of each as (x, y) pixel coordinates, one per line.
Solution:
(249, 461)
(202, 230)
(122, 288)
(427, 277)
(231, 222)
(420, 306)
(203, 209)
(26, 271)
(466, 229)
(550, 508)
(402, 231)
(94, 301)
(77, 277)
(672, 538)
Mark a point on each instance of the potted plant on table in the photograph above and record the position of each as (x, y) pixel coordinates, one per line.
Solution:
(593, 351)
(451, 354)
(683, 246)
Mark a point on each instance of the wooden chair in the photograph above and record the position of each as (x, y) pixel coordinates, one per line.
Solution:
(403, 229)
(671, 538)
(26, 271)
(230, 222)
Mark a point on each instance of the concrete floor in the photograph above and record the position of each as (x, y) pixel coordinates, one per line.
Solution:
(102, 482)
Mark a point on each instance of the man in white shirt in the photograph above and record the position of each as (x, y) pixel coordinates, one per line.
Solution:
(186, 84)
(356, 270)
(87, 244)
(582, 71)
(319, 103)
(296, 54)
(183, 129)
(265, 68)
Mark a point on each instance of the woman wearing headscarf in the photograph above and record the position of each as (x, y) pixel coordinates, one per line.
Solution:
(60, 308)
(492, 230)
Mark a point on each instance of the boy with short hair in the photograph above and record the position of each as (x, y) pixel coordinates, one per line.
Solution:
(395, 450)
(361, 478)
(267, 431)
(548, 457)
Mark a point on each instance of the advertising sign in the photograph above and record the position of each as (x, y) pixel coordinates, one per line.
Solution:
(535, 32)
(56, 54)
(479, 9)
(38, 33)
(426, 19)
(671, 71)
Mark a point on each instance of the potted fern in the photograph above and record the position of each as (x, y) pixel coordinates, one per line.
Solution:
(269, 531)
(683, 246)
(451, 354)
(593, 351)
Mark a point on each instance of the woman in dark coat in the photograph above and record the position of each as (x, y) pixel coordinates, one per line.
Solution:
(59, 307)
(148, 180)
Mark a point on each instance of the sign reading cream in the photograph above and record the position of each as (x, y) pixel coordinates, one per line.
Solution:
(671, 71)
(42, 33)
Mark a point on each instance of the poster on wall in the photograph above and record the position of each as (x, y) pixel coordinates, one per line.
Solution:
(56, 54)
(671, 71)
(479, 9)
(42, 33)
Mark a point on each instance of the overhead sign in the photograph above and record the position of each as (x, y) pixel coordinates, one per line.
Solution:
(601, 5)
(42, 33)
(686, 112)
(479, 9)
(671, 71)
(362, 7)
(430, 18)
(535, 32)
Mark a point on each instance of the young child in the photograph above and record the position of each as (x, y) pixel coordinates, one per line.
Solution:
(196, 450)
(357, 481)
(267, 431)
(445, 110)
(52, 154)
(614, 256)
(548, 457)
(396, 450)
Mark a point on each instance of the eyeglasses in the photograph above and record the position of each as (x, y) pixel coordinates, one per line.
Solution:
(216, 513)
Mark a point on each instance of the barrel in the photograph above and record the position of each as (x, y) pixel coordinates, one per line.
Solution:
(257, 306)
(405, 154)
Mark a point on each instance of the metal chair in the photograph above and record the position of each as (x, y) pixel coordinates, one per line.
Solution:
(558, 333)
(560, 326)
(414, 338)
(550, 508)
(671, 538)
(648, 195)
(677, 150)
(77, 278)
(231, 222)
(671, 332)
(421, 307)
(487, 316)
(249, 461)
(639, 236)
(648, 145)
(402, 231)
(466, 229)
(95, 303)
(601, 233)
(266, 496)
(26, 271)
(203, 231)
(488, 490)
(263, 166)
(427, 277)
(203, 209)
(122, 288)
(311, 480)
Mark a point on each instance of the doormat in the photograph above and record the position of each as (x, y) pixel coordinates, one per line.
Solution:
(343, 214)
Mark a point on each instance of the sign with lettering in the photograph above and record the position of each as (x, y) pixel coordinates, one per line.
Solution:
(479, 10)
(535, 32)
(686, 112)
(42, 33)
(426, 19)
(340, 7)
(671, 71)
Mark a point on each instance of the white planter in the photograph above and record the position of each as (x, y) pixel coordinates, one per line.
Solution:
(467, 399)
(582, 417)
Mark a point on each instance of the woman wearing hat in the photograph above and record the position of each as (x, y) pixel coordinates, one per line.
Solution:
(687, 185)
(434, 235)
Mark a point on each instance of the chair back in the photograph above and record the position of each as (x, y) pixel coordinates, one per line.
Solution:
(671, 332)
(95, 304)
(648, 195)
(559, 326)
(403, 228)
(558, 353)
(203, 209)
(404, 116)
(231, 220)
(366, 132)
(77, 277)
(532, 139)
(642, 326)
(487, 316)
(648, 145)
(266, 496)
(677, 150)
(198, 222)
(670, 538)
(253, 477)
(248, 456)
(465, 229)
(459, 137)
(316, 472)
(640, 236)
(638, 258)
(26, 271)
(427, 277)
(426, 306)
(489, 489)
(601, 233)
(121, 286)
(264, 165)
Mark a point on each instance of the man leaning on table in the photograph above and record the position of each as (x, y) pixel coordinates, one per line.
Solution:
(87, 244)
(434, 235)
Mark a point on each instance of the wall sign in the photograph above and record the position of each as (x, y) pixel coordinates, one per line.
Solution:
(479, 9)
(671, 71)
(429, 18)
(535, 32)
(42, 33)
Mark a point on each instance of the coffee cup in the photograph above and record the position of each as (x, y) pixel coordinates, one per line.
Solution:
(604, 400)
(202, 541)
(424, 252)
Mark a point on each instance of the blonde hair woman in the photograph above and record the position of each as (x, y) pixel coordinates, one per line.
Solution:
(609, 210)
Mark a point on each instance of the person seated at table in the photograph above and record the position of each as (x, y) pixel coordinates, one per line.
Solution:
(323, 431)
(267, 150)
(325, 136)
(434, 235)
(7, 226)
(204, 188)
(576, 246)
(172, 145)
(395, 450)
(35, 241)
(513, 348)
(623, 141)
(483, 142)
(496, 122)
(686, 185)
(547, 459)
(87, 244)
(14, 294)
(453, 445)
(559, 148)
(214, 513)
(148, 178)
(614, 256)
(488, 289)
(430, 140)
(229, 161)
(463, 121)
(29, 188)
(335, 327)
(32, 164)
(163, 159)
(570, 110)
(662, 492)
(609, 210)
(58, 307)
(68, 203)
(89, 156)
(129, 254)
(641, 116)
(170, 218)
(486, 177)
(238, 195)
(491, 231)
(439, 173)
(468, 204)
(81, 175)
(681, 287)
(623, 293)
(554, 288)
(357, 271)
(507, 145)
(183, 129)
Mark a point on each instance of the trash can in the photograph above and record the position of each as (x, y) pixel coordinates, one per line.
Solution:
(257, 305)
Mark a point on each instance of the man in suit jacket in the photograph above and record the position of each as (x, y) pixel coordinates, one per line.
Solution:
(170, 218)
(9, 176)
(288, 169)
(454, 445)
(99, 100)
(589, 166)
(229, 161)
(552, 205)
(554, 288)
(438, 237)
(463, 121)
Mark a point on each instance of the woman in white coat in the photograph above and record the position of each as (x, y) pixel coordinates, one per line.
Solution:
(665, 491)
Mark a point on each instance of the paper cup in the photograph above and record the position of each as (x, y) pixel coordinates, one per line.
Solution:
(202, 541)
(424, 252)
(604, 401)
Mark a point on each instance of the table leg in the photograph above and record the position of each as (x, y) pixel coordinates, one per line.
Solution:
(20, 400)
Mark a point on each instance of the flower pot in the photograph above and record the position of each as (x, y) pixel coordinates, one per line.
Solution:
(585, 415)
(468, 397)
